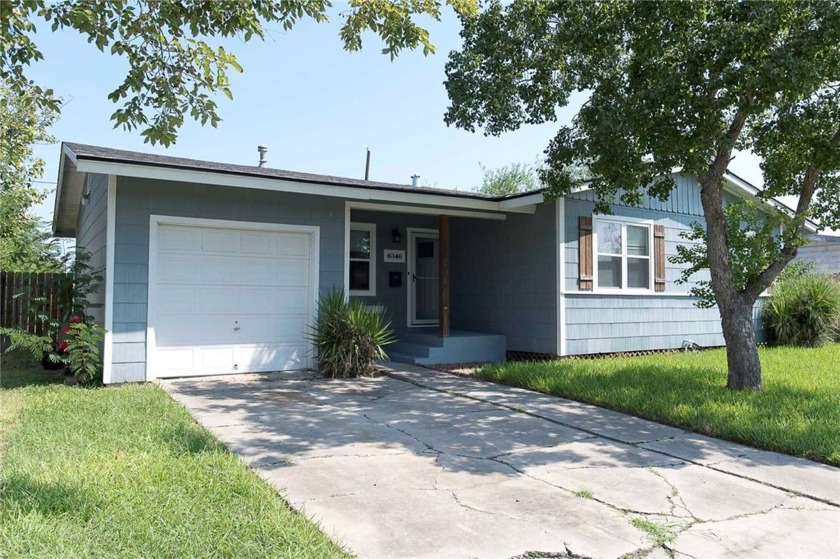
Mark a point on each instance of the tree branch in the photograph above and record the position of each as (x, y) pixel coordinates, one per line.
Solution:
(806, 195)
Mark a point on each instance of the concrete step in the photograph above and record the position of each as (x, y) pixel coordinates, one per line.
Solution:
(397, 357)
(409, 348)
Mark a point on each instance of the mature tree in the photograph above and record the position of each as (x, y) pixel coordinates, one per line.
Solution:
(672, 85)
(24, 245)
(172, 70)
(509, 179)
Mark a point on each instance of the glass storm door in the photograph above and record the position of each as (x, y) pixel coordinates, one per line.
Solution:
(423, 278)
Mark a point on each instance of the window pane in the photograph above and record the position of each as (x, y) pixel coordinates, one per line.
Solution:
(609, 237)
(637, 241)
(359, 244)
(638, 273)
(359, 276)
(609, 271)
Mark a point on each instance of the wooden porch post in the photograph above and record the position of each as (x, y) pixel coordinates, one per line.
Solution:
(443, 271)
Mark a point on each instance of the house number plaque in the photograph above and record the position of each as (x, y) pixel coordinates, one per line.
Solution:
(394, 256)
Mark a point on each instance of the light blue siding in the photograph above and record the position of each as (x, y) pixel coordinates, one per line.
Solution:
(138, 199)
(610, 323)
(675, 224)
(607, 323)
(684, 199)
(823, 252)
(91, 236)
(504, 278)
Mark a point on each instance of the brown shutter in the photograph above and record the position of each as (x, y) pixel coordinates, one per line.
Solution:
(659, 257)
(585, 253)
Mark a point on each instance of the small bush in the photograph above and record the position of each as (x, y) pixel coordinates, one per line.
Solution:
(83, 354)
(348, 336)
(804, 310)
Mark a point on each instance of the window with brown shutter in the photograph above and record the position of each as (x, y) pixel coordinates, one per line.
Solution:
(659, 257)
(585, 253)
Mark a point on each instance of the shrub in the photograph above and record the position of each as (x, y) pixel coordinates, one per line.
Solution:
(83, 356)
(804, 310)
(348, 337)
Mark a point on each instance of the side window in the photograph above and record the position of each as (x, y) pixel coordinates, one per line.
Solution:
(622, 254)
(362, 265)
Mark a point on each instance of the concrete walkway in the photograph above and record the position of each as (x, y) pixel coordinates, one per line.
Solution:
(426, 464)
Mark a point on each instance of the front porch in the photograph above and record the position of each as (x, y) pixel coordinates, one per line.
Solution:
(400, 261)
(425, 346)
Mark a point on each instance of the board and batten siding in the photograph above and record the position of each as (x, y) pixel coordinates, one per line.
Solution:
(608, 322)
(504, 278)
(91, 236)
(139, 199)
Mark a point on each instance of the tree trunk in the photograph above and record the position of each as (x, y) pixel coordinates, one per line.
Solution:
(735, 308)
(741, 350)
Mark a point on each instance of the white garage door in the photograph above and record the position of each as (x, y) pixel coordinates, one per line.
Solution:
(229, 300)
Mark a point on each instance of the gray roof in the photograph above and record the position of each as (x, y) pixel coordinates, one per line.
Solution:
(97, 153)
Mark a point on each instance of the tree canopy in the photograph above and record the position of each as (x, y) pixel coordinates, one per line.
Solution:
(173, 71)
(671, 85)
(508, 179)
(24, 244)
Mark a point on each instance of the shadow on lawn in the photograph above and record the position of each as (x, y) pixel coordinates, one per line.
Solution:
(21, 496)
(19, 369)
(782, 417)
(190, 439)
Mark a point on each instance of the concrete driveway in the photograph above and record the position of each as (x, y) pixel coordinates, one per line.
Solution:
(426, 464)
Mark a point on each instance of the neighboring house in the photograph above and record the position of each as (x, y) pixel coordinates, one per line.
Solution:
(213, 268)
(823, 251)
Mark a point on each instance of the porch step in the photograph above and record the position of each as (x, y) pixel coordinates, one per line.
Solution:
(418, 348)
(409, 348)
(396, 357)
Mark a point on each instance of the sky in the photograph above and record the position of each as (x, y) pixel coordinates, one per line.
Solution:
(317, 108)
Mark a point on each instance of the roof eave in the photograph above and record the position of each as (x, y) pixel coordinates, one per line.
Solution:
(67, 194)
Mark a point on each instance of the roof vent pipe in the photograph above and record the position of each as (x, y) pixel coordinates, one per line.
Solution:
(263, 151)
(414, 178)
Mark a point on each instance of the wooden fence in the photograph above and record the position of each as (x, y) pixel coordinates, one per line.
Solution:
(26, 295)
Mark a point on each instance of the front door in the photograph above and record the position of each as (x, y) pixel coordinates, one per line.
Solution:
(423, 277)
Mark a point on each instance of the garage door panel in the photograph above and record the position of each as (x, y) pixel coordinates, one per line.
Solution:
(260, 271)
(271, 328)
(178, 360)
(294, 245)
(277, 357)
(259, 243)
(217, 358)
(178, 268)
(274, 300)
(218, 299)
(219, 270)
(177, 299)
(216, 241)
(231, 300)
(173, 237)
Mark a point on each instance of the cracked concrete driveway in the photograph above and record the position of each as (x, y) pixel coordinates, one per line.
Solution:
(425, 464)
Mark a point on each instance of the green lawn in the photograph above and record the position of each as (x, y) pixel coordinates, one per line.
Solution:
(125, 472)
(798, 412)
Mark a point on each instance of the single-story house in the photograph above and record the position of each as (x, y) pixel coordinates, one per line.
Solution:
(823, 252)
(212, 268)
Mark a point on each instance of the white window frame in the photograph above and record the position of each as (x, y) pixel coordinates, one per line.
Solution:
(371, 229)
(624, 222)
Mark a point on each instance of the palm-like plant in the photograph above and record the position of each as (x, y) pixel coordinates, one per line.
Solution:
(348, 337)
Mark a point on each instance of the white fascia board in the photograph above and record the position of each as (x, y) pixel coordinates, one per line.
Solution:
(282, 185)
(740, 187)
(58, 188)
(528, 202)
(419, 210)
